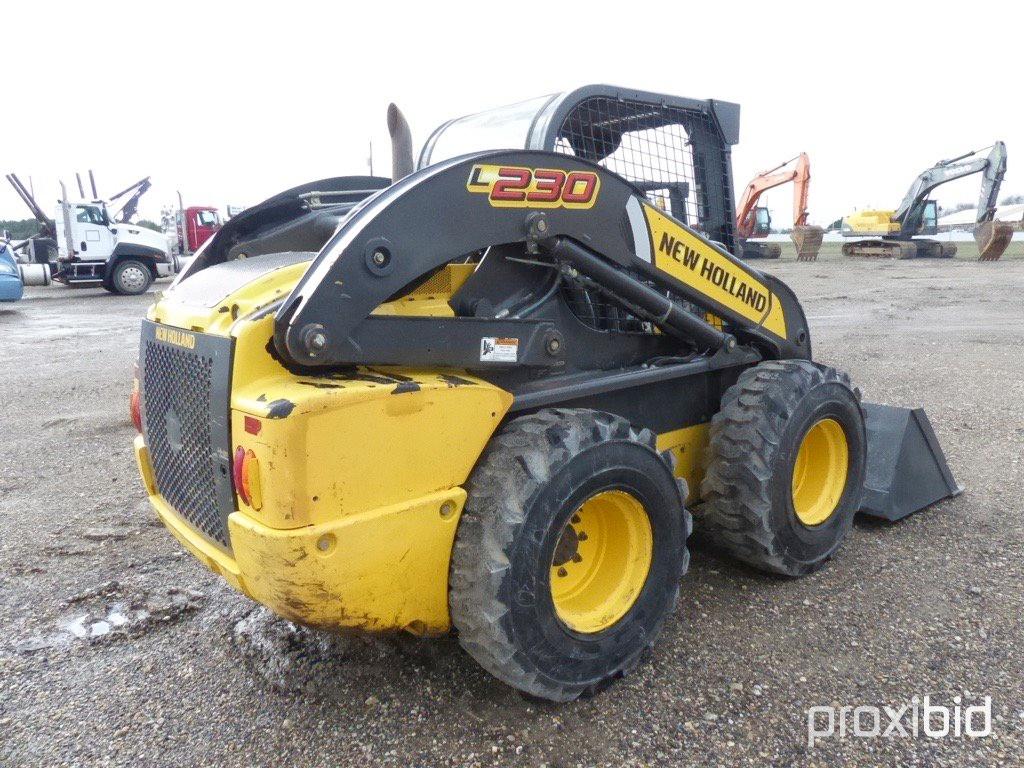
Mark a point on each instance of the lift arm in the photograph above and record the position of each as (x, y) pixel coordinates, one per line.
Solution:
(993, 167)
(800, 175)
(568, 217)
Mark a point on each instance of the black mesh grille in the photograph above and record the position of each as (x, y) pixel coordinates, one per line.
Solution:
(663, 151)
(178, 403)
(648, 144)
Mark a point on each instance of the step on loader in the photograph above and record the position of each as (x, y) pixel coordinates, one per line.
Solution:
(495, 394)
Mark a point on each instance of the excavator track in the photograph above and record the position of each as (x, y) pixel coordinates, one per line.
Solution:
(900, 249)
(880, 249)
(761, 250)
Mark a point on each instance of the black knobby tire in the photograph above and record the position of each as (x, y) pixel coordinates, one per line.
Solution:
(755, 437)
(142, 278)
(532, 478)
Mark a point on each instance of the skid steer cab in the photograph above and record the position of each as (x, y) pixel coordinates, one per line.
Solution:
(495, 393)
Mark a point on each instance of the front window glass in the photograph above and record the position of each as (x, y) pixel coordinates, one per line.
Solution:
(929, 215)
(89, 214)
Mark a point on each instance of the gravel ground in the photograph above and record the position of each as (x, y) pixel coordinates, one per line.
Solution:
(118, 649)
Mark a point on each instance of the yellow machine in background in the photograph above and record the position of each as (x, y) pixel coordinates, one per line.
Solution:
(899, 229)
(875, 223)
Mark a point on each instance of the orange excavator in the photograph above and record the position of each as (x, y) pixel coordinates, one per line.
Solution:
(753, 221)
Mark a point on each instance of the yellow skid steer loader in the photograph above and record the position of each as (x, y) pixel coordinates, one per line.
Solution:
(488, 394)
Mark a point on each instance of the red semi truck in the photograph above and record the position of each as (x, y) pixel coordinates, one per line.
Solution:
(195, 224)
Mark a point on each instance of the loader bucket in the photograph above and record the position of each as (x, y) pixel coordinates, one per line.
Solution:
(906, 469)
(807, 240)
(993, 238)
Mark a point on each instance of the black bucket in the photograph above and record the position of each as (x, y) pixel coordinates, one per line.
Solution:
(906, 469)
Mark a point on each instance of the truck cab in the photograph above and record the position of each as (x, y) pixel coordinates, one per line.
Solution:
(91, 237)
(92, 249)
(196, 224)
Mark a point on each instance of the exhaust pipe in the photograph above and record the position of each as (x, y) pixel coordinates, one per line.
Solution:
(401, 144)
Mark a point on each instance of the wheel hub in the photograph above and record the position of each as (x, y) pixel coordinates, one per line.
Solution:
(601, 561)
(819, 472)
(132, 278)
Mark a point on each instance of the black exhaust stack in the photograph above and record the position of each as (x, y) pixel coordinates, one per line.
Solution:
(401, 144)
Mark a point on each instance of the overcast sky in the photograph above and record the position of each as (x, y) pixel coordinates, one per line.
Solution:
(230, 103)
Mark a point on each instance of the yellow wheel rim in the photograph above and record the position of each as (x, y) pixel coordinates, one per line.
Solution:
(601, 561)
(819, 473)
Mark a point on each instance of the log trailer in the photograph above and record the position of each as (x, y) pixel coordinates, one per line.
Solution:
(494, 393)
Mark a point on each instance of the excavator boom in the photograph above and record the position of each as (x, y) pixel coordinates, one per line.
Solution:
(807, 238)
(993, 166)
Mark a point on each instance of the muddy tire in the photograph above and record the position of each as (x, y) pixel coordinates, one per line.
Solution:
(523, 566)
(784, 466)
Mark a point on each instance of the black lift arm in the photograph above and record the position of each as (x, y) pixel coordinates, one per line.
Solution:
(566, 213)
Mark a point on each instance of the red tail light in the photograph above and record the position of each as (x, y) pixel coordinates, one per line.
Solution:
(246, 473)
(135, 401)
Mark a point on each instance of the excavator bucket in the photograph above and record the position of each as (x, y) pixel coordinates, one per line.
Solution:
(807, 239)
(906, 469)
(993, 238)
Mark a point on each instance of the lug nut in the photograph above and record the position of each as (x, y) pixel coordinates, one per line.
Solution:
(562, 572)
(380, 258)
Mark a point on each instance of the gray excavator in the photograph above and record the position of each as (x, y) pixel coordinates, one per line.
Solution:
(891, 234)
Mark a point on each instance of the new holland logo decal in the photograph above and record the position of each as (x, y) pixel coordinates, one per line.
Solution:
(176, 337)
(509, 186)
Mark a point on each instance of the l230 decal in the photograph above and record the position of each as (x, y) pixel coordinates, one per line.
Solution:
(508, 186)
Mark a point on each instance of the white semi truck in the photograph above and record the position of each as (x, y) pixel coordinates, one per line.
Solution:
(93, 248)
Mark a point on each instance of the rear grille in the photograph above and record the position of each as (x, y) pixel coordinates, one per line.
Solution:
(184, 406)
